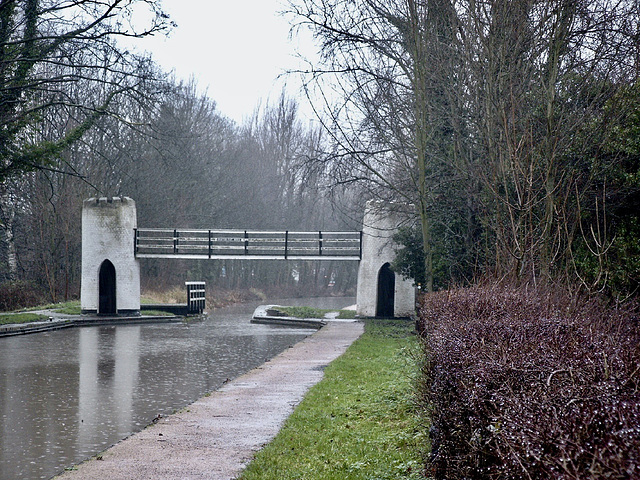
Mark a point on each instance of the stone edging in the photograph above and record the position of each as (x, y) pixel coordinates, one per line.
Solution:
(260, 315)
(81, 321)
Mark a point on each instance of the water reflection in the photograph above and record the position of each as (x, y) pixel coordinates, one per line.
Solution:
(68, 394)
(88, 384)
(106, 382)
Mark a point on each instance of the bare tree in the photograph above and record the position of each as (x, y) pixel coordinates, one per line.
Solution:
(396, 122)
(47, 45)
(541, 71)
(429, 100)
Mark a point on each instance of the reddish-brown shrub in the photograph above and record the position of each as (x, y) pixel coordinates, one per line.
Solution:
(531, 385)
(14, 296)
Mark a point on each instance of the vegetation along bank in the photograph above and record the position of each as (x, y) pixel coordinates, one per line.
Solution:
(500, 383)
(360, 421)
(530, 384)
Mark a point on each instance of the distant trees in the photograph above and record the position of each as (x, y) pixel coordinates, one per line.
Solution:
(476, 112)
(187, 166)
(63, 75)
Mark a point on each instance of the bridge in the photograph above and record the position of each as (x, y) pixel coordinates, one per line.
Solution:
(113, 246)
(247, 244)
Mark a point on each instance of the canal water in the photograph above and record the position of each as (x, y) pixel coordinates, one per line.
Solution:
(66, 395)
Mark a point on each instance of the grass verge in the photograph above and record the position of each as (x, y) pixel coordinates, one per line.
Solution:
(69, 308)
(311, 312)
(21, 318)
(360, 421)
(72, 307)
(157, 313)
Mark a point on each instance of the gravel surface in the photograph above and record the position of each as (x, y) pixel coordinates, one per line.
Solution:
(216, 436)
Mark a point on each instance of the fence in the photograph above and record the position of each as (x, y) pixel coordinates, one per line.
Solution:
(195, 297)
(245, 244)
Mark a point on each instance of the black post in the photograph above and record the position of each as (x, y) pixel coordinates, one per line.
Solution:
(209, 243)
(286, 243)
(135, 242)
(320, 243)
(175, 241)
(360, 245)
(246, 243)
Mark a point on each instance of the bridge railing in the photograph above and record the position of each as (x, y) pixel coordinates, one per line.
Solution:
(179, 243)
(196, 297)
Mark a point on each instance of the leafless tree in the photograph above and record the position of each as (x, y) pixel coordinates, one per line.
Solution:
(430, 100)
(48, 45)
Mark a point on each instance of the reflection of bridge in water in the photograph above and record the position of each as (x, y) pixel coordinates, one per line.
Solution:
(247, 245)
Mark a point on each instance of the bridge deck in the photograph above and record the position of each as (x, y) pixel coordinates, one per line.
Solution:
(247, 245)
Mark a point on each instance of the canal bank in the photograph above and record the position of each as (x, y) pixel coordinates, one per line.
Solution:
(216, 436)
(59, 322)
(67, 394)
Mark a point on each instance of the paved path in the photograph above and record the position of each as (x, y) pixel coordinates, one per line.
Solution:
(215, 437)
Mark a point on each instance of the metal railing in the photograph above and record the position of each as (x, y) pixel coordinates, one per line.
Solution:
(196, 297)
(246, 244)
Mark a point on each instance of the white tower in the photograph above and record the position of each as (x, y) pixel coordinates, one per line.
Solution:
(110, 271)
(381, 292)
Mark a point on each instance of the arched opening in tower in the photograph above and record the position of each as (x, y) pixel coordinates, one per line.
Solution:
(386, 291)
(107, 289)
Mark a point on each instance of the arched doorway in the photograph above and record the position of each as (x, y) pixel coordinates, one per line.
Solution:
(107, 289)
(386, 291)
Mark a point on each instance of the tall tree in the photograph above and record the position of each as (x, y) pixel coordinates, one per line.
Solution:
(395, 76)
(472, 111)
(47, 45)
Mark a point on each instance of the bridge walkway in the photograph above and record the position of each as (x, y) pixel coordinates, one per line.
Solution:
(247, 244)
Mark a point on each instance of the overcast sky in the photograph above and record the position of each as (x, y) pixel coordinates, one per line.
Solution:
(235, 49)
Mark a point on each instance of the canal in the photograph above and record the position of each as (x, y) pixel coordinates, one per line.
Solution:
(68, 394)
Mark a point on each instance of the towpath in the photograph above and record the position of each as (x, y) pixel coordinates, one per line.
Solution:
(215, 437)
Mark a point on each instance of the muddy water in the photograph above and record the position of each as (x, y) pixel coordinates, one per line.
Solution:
(69, 394)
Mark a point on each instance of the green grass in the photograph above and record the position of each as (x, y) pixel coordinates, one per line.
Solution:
(21, 318)
(71, 307)
(310, 312)
(359, 422)
(156, 313)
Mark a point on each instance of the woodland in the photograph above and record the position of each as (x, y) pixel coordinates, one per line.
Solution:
(508, 131)
(81, 117)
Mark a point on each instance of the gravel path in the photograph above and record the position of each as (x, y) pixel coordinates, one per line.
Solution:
(216, 436)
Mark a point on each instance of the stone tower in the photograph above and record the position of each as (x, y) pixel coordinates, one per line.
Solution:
(110, 271)
(381, 292)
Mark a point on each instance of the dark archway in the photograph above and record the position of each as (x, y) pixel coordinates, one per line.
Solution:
(386, 291)
(107, 289)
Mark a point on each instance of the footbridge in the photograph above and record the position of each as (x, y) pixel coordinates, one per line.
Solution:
(247, 244)
(113, 246)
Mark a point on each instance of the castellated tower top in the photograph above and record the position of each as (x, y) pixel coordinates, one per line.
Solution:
(105, 201)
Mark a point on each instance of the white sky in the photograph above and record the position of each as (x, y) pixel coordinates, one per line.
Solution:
(235, 49)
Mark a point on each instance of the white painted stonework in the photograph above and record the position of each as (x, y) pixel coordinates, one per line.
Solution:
(378, 248)
(108, 236)
(108, 232)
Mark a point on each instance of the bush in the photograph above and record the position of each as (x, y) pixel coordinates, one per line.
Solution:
(530, 385)
(17, 295)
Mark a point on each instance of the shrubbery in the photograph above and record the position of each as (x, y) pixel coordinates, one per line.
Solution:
(17, 295)
(531, 385)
